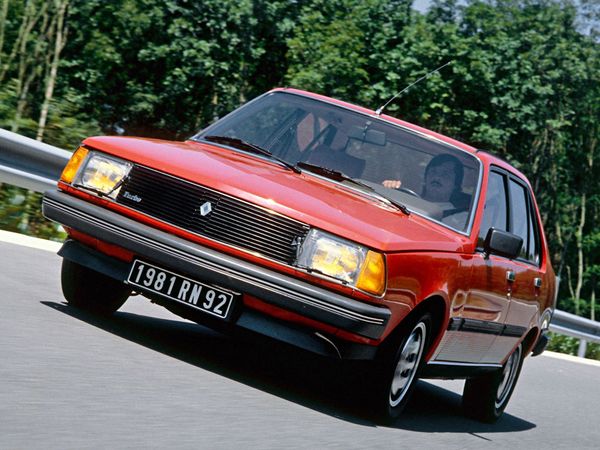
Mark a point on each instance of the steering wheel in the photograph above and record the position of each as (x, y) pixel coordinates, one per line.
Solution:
(408, 191)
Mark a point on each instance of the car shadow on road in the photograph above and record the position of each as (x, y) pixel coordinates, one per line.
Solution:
(312, 381)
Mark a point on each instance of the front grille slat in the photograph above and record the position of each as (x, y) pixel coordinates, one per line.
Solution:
(225, 218)
(254, 243)
(213, 229)
(276, 223)
(232, 221)
(250, 238)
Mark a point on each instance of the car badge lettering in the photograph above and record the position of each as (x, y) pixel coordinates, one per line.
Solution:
(205, 209)
(132, 197)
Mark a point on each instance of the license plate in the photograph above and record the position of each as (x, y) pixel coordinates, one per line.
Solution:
(201, 296)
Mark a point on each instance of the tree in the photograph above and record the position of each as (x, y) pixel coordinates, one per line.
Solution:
(58, 33)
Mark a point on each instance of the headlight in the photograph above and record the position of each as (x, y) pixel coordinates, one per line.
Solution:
(343, 260)
(102, 174)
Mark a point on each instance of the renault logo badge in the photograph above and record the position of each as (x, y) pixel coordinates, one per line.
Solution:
(205, 209)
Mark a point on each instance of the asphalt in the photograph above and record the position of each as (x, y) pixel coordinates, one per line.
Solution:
(146, 379)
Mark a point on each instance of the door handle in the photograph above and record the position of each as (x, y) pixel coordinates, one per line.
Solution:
(510, 276)
(537, 282)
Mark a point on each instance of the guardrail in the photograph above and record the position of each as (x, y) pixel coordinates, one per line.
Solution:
(34, 165)
(585, 330)
(28, 163)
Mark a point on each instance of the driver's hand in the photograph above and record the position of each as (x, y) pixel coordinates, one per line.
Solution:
(392, 184)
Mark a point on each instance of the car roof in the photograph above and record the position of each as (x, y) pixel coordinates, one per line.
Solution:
(491, 159)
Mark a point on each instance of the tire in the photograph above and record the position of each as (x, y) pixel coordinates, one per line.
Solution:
(398, 370)
(92, 291)
(485, 397)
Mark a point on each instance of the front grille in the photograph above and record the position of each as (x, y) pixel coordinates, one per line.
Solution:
(230, 221)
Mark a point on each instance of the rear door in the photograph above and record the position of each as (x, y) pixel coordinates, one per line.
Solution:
(530, 284)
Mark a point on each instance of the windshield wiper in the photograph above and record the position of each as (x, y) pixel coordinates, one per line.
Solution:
(339, 176)
(243, 145)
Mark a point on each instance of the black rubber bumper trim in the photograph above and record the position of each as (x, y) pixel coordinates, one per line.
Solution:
(485, 327)
(446, 369)
(216, 267)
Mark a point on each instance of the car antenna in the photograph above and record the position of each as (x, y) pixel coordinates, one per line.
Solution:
(380, 109)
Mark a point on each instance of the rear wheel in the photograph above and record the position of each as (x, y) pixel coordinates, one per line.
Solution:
(90, 290)
(398, 371)
(485, 397)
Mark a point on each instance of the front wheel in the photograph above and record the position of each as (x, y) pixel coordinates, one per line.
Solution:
(90, 290)
(398, 372)
(485, 397)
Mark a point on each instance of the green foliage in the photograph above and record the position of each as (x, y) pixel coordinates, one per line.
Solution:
(327, 53)
(8, 103)
(166, 68)
(67, 124)
(570, 346)
(20, 212)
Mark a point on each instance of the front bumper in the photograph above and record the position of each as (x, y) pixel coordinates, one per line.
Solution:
(215, 267)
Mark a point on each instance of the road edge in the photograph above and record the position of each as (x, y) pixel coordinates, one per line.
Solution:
(29, 241)
(576, 359)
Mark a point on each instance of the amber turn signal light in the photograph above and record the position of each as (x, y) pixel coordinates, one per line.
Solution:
(372, 275)
(70, 170)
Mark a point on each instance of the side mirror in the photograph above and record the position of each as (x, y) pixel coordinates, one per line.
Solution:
(502, 243)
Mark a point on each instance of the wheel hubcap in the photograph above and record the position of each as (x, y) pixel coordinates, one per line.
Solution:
(509, 374)
(408, 363)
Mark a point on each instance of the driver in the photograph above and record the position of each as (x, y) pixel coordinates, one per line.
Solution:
(443, 182)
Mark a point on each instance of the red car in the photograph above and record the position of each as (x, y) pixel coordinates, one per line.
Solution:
(326, 226)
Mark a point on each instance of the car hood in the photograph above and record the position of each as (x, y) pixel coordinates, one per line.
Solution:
(321, 203)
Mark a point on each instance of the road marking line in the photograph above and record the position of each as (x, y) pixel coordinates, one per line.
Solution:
(563, 356)
(28, 241)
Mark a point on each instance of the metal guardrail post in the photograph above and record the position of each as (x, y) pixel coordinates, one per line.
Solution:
(28, 163)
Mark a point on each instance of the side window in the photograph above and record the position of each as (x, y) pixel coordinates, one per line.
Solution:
(524, 221)
(308, 129)
(533, 249)
(519, 216)
(494, 212)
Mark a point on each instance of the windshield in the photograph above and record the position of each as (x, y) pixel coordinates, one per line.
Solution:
(432, 179)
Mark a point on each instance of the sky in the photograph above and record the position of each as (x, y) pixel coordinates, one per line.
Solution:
(421, 5)
(585, 26)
